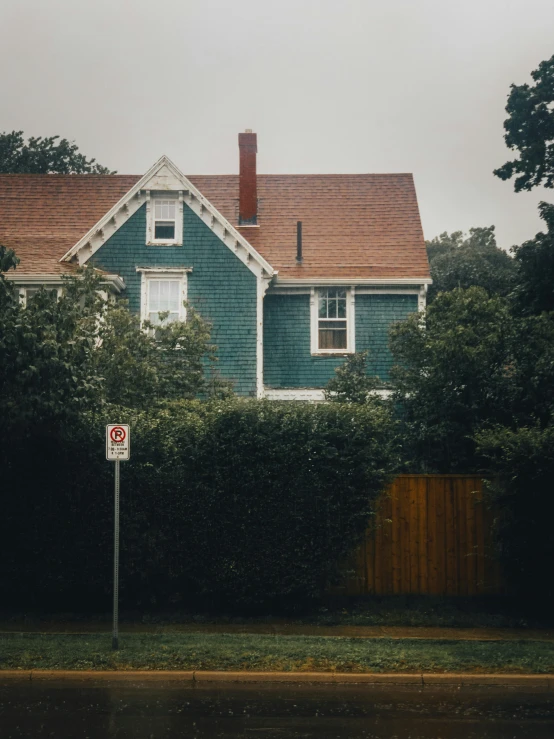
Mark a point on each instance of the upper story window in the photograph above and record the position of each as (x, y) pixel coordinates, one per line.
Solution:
(163, 292)
(164, 219)
(332, 321)
(164, 296)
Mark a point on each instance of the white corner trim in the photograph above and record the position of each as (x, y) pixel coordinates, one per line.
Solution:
(350, 325)
(147, 274)
(137, 195)
(313, 321)
(261, 288)
(422, 299)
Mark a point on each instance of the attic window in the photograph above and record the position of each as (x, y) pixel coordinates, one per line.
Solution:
(165, 220)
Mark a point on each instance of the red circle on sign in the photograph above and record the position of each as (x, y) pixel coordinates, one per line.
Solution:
(118, 435)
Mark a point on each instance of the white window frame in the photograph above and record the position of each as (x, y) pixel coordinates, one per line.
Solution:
(350, 325)
(151, 199)
(35, 288)
(147, 275)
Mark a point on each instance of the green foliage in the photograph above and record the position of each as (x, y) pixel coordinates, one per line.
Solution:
(59, 357)
(475, 260)
(530, 131)
(351, 383)
(521, 465)
(468, 364)
(8, 260)
(453, 373)
(229, 501)
(39, 155)
(534, 291)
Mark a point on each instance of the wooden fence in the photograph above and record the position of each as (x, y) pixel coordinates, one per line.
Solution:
(432, 535)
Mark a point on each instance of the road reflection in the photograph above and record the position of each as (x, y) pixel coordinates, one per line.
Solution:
(146, 710)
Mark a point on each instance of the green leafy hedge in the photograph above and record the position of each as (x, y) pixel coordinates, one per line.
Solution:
(233, 502)
(521, 465)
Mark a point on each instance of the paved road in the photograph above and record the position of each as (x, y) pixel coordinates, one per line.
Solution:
(74, 710)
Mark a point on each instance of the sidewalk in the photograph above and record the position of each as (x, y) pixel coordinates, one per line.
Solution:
(283, 629)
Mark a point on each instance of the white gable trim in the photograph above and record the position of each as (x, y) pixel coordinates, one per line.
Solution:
(164, 175)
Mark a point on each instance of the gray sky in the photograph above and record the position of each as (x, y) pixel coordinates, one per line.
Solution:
(345, 86)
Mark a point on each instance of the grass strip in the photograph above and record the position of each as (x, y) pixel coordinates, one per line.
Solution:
(272, 653)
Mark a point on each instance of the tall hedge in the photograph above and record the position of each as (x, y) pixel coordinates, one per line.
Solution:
(521, 491)
(236, 502)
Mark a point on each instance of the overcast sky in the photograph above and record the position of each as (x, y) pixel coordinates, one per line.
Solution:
(329, 86)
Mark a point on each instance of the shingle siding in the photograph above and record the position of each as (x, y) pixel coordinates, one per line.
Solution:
(220, 287)
(287, 358)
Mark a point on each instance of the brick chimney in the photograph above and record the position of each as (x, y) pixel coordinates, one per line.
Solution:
(248, 191)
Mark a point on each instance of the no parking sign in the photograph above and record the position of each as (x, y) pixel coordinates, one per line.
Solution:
(118, 448)
(118, 444)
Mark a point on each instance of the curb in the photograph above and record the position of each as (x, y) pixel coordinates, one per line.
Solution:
(545, 682)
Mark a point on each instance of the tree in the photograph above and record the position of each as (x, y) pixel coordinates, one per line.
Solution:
(463, 261)
(534, 259)
(60, 357)
(452, 374)
(351, 383)
(8, 261)
(50, 155)
(530, 130)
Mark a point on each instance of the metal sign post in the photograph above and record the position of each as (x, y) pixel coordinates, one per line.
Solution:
(117, 449)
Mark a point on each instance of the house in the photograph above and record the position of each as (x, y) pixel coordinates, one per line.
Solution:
(294, 272)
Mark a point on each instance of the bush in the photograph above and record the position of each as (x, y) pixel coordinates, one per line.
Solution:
(230, 502)
(521, 463)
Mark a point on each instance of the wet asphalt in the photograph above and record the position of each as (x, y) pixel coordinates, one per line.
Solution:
(142, 710)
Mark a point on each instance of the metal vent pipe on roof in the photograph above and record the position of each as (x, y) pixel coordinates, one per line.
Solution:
(299, 241)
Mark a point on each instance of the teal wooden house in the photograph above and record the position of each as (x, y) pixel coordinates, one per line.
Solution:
(294, 272)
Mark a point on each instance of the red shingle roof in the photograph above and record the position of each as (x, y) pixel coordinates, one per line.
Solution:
(354, 226)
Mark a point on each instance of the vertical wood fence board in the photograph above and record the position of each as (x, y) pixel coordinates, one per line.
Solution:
(376, 564)
(480, 534)
(404, 533)
(396, 545)
(386, 520)
(431, 535)
(433, 581)
(464, 554)
(423, 583)
(451, 538)
(414, 503)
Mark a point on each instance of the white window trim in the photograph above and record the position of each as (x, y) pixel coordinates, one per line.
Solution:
(162, 274)
(23, 291)
(150, 218)
(350, 326)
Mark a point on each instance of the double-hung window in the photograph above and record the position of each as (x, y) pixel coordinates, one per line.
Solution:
(165, 219)
(163, 296)
(332, 320)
